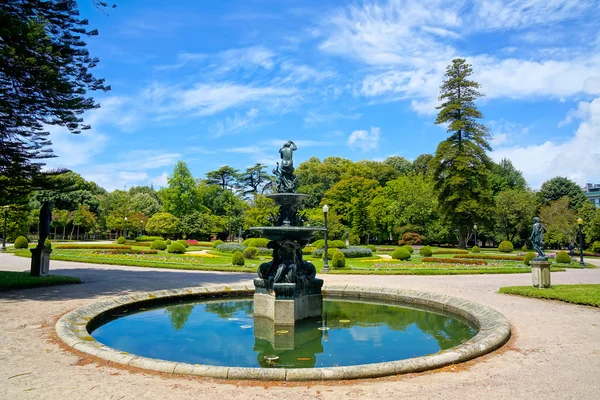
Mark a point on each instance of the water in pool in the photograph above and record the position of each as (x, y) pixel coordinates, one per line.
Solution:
(224, 332)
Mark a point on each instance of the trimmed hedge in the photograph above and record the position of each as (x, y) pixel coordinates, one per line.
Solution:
(386, 248)
(451, 251)
(121, 240)
(176, 247)
(350, 252)
(159, 244)
(524, 249)
(454, 261)
(168, 241)
(409, 248)
(125, 251)
(475, 249)
(250, 253)
(308, 250)
(256, 242)
(48, 244)
(184, 243)
(563, 258)
(217, 243)
(372, 247)
(331, 244)
(238, 258)
(230, 247)
(21, 243)
(528, 257)
(426, 251)
(401, 254)
(338, 261)
(490, 257)
(89, 246)
(145, 238)
(506, 247)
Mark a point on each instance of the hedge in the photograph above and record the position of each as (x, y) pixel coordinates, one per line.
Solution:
(338, 261)
(350, 252)
(125, 251)
(121, 240)
(475, 249)
(490, 257)
(90, 246)
(217, 243)
(332, 244)
(450, 251)
(563, 258)
(230, 247)
(159, 244)
(184, 243)
(528, 257)
(256, 242)
(401, 254)
(176, 247)
(250, 253)
(454, 261)
(506, 246)
(426, 251)
(145, 238)
(238, 258)
(409, 248)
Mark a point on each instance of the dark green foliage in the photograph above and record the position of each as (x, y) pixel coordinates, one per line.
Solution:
(176, 247)
(421, 163)
(372, 247)
(401, 254)
(21, 243)
(332, 244)
(159, 244)
(559, 187)
(595, 247)
(426, 251)
(409, 248)
(460, 167)
(528, 257)
(48, 244)
(255, 180)
(216, 243)
(338, 260)
(505, 176)
(506, 247)
(524, 248)
(184, 243)
(475, 249)
(121, 240)
(250, 253)
(148, 238)
(411, 238)
(308, 250)
(256, 242)
(225, 177)
(168, 241)
(563, 257)
(238, 258)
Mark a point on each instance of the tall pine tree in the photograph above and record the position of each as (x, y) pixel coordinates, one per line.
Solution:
(461, 166)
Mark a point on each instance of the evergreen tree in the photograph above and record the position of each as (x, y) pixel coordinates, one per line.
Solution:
(255, 180)
(461, 166)
(559, 187)
(226, 177)
(181, 197)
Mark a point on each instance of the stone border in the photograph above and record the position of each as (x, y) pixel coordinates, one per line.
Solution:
(494, 331)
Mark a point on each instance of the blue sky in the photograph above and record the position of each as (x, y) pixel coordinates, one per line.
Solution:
(227, 82)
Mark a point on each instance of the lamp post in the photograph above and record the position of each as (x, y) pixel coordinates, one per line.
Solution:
(125, 228)
(580, 223)
(142, 225)
(475, 229)
(4, 234)
(325, 255)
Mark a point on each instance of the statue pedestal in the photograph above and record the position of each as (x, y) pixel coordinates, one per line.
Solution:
(40, 261)
(286, 303)
(540, 273)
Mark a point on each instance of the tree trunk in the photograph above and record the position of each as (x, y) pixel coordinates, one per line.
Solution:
(55, 233)
(71, 235)
(77, 232)
(462, 239)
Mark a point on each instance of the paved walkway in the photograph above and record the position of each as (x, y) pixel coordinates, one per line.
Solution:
(554, 353)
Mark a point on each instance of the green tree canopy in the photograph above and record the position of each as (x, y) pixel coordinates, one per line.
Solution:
(255, 180)
(163, 223)
(559, 187)
(421, 163)
(180, 197)
(226, 177)
(560, 222)
(513, 213)
(504, 175)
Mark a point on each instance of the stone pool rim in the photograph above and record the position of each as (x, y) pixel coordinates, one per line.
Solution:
(494, 331)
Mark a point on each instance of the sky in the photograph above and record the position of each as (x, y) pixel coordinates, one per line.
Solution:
(227, 82)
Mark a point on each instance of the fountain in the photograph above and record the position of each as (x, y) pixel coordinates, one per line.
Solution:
(287, 289)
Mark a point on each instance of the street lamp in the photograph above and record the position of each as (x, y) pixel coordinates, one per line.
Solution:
(580, 223)
(325, 255)
(475, 228)
(4, 234)
(142, 226)
(125, 228)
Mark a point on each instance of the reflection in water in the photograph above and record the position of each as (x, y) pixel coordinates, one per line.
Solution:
(349, 332)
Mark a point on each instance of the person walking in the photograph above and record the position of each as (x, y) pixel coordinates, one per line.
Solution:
(571, 249)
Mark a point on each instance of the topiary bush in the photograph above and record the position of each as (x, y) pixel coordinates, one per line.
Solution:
(48, 244)
(168, 241)
(121, 240)
(563, 257)
(506, 247)
(184, 243)
(176, 247)
(426, 251)
(409, 248)
(144, 238)
(21, 243)
(238, 258)
(256, 242)
(338, 260)
(216, 243)
(372, 247)
(308, 250)
(331, 244)
(528, 257)
(401, 254)
(411, 238)
(158, 244)
(475, 249)
(264, 251)
(250, 253)
(524, 249)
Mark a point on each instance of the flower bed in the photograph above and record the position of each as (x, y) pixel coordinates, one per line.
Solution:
(454, 261)
(386, 248)
(91, 246)
(491, 257)
(192, 242)
(450, 251)
(350, 252)
(124, 251)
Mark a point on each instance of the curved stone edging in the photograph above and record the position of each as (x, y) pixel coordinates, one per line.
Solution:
(494, 331)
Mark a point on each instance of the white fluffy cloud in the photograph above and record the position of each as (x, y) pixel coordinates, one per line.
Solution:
(576, 158)
(365, 140)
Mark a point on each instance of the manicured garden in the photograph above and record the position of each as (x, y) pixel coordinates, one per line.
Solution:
(578, 294)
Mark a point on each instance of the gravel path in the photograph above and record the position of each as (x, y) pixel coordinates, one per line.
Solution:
(554, 353)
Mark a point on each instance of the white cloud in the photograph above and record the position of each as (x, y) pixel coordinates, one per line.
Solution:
(237, 123)
(577, 157)
(504, 132)
(241, 58)
(316, 117)
(365, 140)
(159, 181)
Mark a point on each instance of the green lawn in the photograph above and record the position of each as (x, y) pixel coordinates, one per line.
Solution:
(588, 295)
(22, 280)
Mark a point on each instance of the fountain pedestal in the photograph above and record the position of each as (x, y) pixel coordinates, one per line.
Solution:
(286, 303)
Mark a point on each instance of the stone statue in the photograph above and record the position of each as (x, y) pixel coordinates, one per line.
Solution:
(40, 256)
(284, 175)
(537, 238)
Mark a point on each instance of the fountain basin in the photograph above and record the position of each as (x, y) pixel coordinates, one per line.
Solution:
(493, 331)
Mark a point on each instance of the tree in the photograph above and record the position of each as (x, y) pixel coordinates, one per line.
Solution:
(342, 196)
(226, 177)
(200, 225)
(514, 212)
(261, 214)
(421, 163)
(361, 223)
(83, 217)
(163, 223)
(180, 197)
(560, 221)
(460, 165)
(145, 203)
(44, 78)
(400, 164)
(316, 177)
(505, 176)
(559, 187)
(373, 170)
(60, 219)
(255, 180)
(591, 222)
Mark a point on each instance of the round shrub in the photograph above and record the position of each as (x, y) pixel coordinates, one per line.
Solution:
(216, 243)
(338, 261)
(21, 242)
(158, 244)
(411, 238)
(48, 244)
(475, 249)
(308, 250)
(563, 257)
(230, 247)
(372, 248)
(121, 240)
(351, 252)
(401, 254)
(506, 247)
(331, 244)
(176, 247)
(426, 251)
(168, 241)
(409, 248)
(238, 258)
(524, 249)
(256, 242)
(184, 243)
(528, 257)
(250, 253)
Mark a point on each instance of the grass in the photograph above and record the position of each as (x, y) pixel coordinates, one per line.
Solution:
(438, 271)
(22, 280)
(588, 295)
